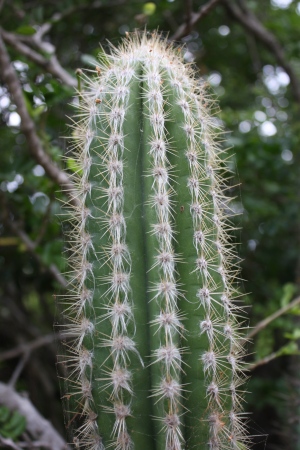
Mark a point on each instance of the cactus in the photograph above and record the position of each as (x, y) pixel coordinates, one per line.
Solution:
(154, 356)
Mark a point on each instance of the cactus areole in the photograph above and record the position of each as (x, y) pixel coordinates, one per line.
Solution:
(154, 350)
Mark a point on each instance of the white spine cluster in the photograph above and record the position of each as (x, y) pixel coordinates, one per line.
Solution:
(216, 292)
(80, 313)
(119, 303)
(228, 327)
(166, 292)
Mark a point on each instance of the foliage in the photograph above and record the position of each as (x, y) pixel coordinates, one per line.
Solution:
(260, 107)
(12, 423)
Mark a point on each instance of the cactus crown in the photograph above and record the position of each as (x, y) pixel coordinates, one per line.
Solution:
(154, 356)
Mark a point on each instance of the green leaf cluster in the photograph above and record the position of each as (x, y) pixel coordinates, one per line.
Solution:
(12, 423)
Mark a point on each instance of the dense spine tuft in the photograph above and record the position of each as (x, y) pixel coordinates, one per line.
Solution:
(153, 341)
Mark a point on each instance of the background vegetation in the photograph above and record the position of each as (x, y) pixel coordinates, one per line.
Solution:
(249, 53)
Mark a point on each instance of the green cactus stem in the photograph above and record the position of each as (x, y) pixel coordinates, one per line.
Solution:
(154, 356)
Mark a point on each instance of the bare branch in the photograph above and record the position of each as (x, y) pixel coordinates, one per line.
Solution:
(59, 16)
(183, 30)
(261, 325)
(36, 425)
(18, 370)
(28, 347)
(50, 64)
(263, 361)
(10, 78)
(23, 43)
(9, 443)
(251, 23)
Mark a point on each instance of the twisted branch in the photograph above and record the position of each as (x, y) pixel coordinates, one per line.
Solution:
(11, 79)
(51, 64)
(251, 23)
(36, 425)
(193, 18)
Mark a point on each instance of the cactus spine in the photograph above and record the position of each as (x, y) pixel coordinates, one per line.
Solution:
(155, 357)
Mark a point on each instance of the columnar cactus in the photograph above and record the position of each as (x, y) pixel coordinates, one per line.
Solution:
(155, 355)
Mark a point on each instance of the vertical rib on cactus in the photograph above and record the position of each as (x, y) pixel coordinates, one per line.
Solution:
(155, 357)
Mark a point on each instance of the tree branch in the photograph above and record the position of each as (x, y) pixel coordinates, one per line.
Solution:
(28, 347)
(185, 28)
(10, 78)
(18, 370)
(50, 64)
(263, 361)
(251, 23)
(261, 325)
(9, 443)
(36, 425)
(59, 16)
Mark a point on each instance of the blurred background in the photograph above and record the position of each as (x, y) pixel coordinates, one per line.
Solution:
(248, 51)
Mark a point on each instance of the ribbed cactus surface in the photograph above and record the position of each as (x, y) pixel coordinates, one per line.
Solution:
(154, 356)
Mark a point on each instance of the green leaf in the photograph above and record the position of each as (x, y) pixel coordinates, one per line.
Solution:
(149, 8)
(36, 112)
(12, 424)
(295, 335)
(73, 165)
(4, 414)
(19, 427)
(289, 290)
(295, 311)
(26, 30)
(289, 349)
